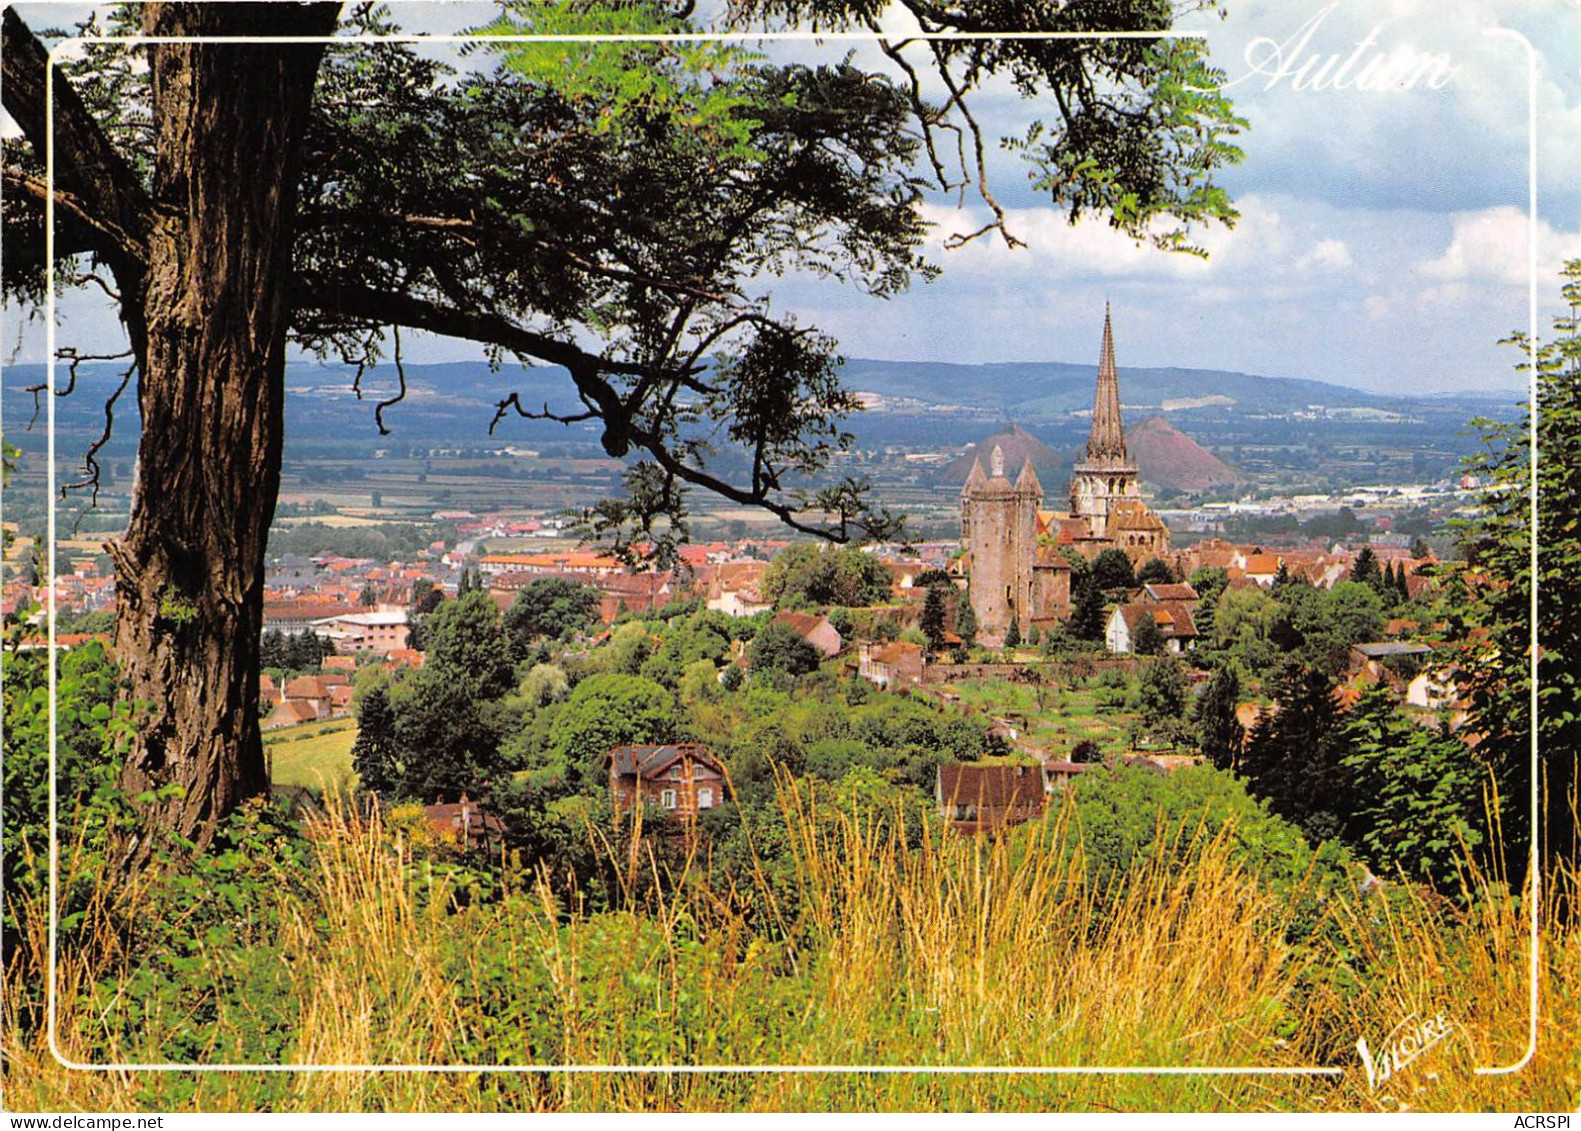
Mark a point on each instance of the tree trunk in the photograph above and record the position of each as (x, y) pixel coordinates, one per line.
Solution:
(210, 331)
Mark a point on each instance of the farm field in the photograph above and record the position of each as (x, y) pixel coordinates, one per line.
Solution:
(315, 755)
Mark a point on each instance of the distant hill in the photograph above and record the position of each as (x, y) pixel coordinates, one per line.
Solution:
(1041, 390)
(1018, 446)
(1166, 457)
(918, 404)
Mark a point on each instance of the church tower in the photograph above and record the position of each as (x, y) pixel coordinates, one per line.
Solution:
(999, 531)
(1105, 475)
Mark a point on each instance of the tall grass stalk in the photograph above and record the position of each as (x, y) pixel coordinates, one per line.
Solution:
(901, 946)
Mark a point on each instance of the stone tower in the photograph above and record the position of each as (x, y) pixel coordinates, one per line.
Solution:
(1105, 475)
(999, 524)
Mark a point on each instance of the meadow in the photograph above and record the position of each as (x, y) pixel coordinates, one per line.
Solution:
(894, 946)
(315, 755)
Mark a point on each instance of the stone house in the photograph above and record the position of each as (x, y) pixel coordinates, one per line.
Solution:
(681, 778)
(895, 664)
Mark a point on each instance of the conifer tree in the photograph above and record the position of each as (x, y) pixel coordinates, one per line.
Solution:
(1220, 735)
(932, 622)
(1365, 568)
(965, 618)
(1086, 621)
(1147, 640)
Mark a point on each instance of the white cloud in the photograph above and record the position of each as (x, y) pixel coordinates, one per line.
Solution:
(1328, 253)
(1492, 246)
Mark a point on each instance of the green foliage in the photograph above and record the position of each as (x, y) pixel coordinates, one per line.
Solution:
(1321, 626)
(809, 575)
(1148, 640)
(1162, 691)
(1086, 618)
(1112, 570)
(703, 636)
(544, 684)
(1155, 571)
(605, 711)
(1498, 545)
(965, 618)
(90, 729)
(1243, 623)
(466, 645)
(1013, 633)
(384, 542)
(1418, 795)
(1364, 570)
(447, 738)
(375, 755)
(1209, 582)
(628, 649)
(778, 647)
(1293, 756)
(445, 722)
(552, 607)
(1126, 812)
(295, 652)
(933, 612)
(1220, 735)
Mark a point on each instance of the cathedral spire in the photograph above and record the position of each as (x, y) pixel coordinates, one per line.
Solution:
(1106, 442)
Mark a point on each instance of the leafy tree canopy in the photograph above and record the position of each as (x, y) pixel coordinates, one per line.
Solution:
(548, 606)
(778, 647)
(466, 645)
(605, 711)
(1112, 570)
(1498, 591)
(808, 575)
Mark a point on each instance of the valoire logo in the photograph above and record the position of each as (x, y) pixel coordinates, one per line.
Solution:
(1405, 1042)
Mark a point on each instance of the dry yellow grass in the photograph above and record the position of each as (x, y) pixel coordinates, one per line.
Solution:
(891, 951)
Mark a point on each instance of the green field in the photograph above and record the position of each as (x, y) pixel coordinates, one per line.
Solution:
(1054, 719)
(316, 755)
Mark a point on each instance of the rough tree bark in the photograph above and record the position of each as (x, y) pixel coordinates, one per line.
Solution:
(209, 328)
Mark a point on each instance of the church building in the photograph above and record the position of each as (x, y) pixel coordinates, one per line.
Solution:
(1014, 548)
(1106, 507)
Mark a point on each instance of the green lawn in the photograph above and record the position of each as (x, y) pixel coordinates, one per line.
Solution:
(1064, 719)
(317, 755)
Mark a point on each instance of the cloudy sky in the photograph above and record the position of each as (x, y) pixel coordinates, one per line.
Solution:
(1383, 233)
(1383, 238)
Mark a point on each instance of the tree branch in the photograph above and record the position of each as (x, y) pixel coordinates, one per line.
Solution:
(367, 304)
(90, 462)
(86, 164)
(77, 230)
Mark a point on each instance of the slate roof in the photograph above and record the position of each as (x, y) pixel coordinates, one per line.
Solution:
(1179, 592)
(1384, 648)
(650, 761)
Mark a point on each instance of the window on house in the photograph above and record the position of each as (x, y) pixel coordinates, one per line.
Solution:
(705, 799)
(667, 798)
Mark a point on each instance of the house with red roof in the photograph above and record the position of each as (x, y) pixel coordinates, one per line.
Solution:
(814, 629)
